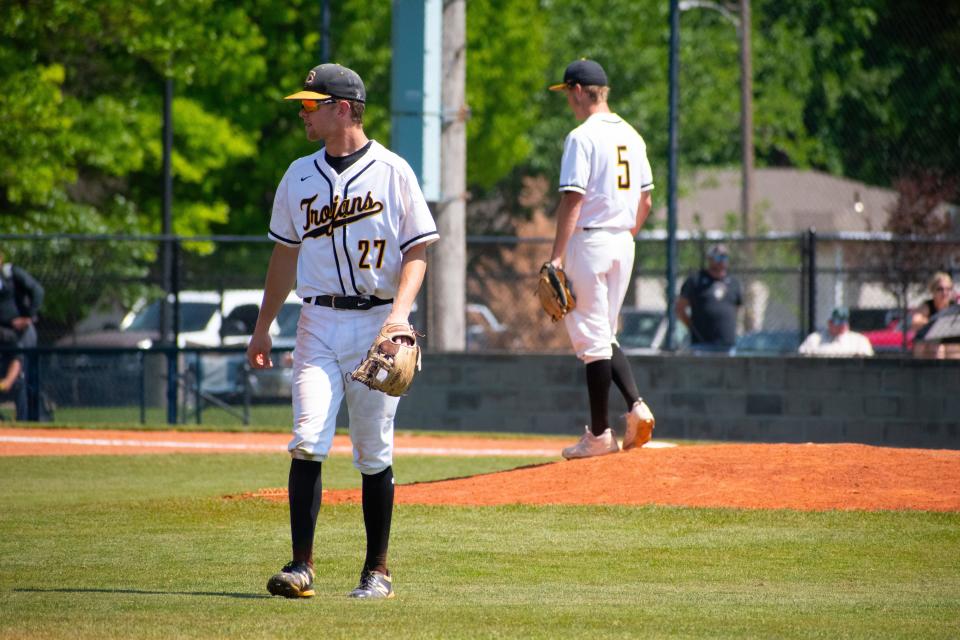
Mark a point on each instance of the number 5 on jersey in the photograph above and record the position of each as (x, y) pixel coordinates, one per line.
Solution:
(623, 180)
(364, 247)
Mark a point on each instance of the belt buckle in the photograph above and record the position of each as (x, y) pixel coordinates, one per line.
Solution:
(333, 301)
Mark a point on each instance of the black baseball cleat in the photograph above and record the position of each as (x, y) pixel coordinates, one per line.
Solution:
(373, 586)
(295, 580)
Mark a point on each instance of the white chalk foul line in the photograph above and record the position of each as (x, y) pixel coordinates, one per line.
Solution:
(108, 442)
(239, 446)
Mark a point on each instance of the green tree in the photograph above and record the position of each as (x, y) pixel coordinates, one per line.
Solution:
(85, 142)
(503, 73)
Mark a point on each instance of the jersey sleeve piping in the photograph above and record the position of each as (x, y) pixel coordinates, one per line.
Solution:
(282, 240)
(573, 187)
(430, 236)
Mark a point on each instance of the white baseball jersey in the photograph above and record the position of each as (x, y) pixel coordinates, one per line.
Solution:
(352, 228)
(605, 159)
(848, 343)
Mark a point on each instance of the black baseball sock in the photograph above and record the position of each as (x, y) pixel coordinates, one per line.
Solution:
(377, 513)
(623, 376)
(304, 487)
(599, 374)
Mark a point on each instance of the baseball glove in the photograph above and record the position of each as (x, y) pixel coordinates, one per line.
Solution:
(553, 289)
(392, 360)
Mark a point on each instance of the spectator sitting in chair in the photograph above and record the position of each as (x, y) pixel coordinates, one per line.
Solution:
(837, 340)
(941, 297)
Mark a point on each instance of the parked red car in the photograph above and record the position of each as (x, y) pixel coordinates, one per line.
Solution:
(890, 338)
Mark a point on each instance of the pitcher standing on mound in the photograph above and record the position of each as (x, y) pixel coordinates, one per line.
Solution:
(351, 228)
(605, 179)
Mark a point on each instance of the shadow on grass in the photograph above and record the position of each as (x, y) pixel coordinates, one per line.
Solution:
(533, 465)
(143, 592)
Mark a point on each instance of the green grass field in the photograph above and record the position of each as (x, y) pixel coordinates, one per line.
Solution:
(148, 547)
(265, 417)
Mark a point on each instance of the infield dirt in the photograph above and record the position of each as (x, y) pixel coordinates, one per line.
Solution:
(810, 477)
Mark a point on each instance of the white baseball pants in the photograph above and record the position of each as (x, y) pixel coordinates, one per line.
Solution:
(598, 263)
(330, 344)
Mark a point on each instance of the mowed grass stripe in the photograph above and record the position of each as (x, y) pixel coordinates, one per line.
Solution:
(148, 547)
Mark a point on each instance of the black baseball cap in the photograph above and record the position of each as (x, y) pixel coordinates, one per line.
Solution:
(331, 81)
(582, 72)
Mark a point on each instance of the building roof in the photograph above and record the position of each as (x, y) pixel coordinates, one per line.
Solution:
(784, 199)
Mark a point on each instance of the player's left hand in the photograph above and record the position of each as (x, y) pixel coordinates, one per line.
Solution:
(401, 320)
(392, 361)
(554, 292)
(258, 351)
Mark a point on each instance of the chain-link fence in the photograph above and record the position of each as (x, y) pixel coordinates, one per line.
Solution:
(105, 310)
(107, 291)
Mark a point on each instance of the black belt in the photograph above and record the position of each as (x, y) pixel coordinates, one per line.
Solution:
(350, 303)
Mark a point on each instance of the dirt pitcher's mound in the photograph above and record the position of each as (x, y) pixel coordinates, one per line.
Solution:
(809, 477)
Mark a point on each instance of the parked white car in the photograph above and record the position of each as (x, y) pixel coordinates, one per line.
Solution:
(207, 319)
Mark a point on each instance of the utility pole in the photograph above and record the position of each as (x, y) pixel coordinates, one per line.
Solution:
(738, 14)
(448, 256)
(747, 158)
(746, 118)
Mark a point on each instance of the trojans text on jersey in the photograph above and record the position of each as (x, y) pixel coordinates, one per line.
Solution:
(338, 213)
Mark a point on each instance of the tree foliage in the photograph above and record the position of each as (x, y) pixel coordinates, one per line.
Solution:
(503, 72)
(868, 89)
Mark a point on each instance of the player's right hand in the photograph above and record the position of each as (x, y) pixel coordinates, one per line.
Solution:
(258, 351)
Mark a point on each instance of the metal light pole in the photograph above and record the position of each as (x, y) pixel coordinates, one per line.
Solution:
(672, 150)
(325, 31)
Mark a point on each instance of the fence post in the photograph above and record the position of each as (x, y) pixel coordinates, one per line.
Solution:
(143, 386)
(198, 393)
(245, 374)
(32, 359)
(172, 355)
(811, 242)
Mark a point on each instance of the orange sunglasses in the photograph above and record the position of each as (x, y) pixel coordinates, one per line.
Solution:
(312, 105)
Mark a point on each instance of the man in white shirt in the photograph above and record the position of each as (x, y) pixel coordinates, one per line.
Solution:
(605, 181)
(838, 339)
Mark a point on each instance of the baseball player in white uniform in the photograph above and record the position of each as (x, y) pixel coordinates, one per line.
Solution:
(351, 227)
(605, 181)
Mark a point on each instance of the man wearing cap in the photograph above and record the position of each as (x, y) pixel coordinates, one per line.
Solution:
(708, 304)
(838, 339)
(351, 227)
(605, 185)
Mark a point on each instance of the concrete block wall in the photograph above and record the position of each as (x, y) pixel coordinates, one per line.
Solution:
(883, 401)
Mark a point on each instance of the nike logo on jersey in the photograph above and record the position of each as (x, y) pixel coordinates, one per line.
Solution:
(337, 214)
(305, 178)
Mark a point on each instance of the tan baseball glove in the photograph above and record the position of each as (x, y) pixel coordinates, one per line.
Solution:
(392, 360)
(553, 289)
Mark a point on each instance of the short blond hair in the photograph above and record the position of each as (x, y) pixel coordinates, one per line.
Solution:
(935, 280)
(596, 93)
